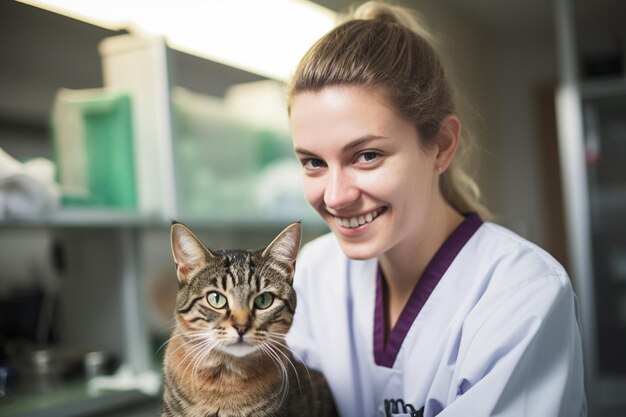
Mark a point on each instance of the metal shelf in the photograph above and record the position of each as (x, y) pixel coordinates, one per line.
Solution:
(83, 218)
(99, 218)
(603, 88)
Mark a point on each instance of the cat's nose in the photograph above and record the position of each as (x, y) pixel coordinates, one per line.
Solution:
(240, 320)
(241, 328)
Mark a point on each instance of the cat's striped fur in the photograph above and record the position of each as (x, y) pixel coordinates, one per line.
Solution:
(227, 356)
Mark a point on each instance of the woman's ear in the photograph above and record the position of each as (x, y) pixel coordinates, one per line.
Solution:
(447, 141)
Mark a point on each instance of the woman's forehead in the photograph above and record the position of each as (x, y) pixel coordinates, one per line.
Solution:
(342, 114)
(343, 97)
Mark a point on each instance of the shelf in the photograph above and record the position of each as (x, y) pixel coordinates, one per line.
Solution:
(68, 401)
(608, 200)
(83, 218)
(99, 218)
(603, 88)
(260, 222)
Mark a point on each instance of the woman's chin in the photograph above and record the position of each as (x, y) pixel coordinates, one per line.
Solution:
(358, 251)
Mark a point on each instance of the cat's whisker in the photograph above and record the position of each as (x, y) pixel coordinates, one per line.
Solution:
(195, 336)
(183, 345)
(167, 341)
(193, 363)
(203, 353)
(167, 325)
(190, 352)
(292, 366)
(285, 372)
(276, 335)
(282, 343)
(276, 364)
(200, 354)
(284, 382)
(194, 351)
(198, 360)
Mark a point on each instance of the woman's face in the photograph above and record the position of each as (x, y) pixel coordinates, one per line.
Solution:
(364, 170)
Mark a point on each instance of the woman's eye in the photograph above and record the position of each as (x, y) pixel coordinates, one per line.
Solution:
(216, 300)
(313, 163)
(368, 156)
(263, 301)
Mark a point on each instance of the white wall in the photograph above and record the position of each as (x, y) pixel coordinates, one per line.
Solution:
(499, 77)
(521, 67)
(464, 44)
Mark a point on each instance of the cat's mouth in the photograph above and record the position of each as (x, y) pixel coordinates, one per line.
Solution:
(239, 348)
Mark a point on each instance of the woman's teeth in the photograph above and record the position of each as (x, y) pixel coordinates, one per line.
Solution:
(354, 222)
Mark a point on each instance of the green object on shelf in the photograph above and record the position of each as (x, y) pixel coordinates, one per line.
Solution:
(93, 141)
(273, 147)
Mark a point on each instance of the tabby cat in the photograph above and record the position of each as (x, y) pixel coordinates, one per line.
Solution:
(227, 356)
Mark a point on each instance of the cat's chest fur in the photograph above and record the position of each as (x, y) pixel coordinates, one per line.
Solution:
(251, 388)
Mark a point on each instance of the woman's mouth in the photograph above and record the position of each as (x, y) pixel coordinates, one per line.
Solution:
(360, 220)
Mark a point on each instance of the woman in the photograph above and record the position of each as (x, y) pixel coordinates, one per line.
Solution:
(413, 305)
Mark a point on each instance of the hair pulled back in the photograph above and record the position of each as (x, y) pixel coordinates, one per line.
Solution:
(385, 48)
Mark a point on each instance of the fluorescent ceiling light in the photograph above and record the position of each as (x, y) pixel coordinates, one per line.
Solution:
(265, 37)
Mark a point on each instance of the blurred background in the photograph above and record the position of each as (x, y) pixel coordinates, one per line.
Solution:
(116, 120)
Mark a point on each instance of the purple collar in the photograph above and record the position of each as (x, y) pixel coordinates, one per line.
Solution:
(436, 268)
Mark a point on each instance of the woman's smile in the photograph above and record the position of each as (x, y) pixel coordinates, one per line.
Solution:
(356, 221)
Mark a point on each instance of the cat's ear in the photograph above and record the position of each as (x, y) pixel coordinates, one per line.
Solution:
(284, 248)
(189, 253)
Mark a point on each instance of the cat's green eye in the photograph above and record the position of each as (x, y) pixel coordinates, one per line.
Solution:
(264, 300)
(216, 300)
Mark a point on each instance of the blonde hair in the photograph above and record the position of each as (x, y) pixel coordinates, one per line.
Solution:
(387, 48)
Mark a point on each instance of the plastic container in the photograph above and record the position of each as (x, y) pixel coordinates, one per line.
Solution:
(93, 147)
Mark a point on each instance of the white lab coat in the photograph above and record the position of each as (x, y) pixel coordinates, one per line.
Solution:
(498, 336)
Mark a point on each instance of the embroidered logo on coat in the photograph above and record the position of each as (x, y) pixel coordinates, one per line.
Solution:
(400, 407)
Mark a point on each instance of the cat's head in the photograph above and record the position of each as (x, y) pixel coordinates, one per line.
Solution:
(235, 301)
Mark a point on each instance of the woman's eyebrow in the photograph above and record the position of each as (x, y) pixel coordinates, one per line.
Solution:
(360, 141)
(304, 152)
(346, 148)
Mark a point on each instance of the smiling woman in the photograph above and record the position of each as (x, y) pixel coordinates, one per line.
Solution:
(413, 305)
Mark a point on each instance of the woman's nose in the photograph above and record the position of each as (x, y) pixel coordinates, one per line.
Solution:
(340, 190)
